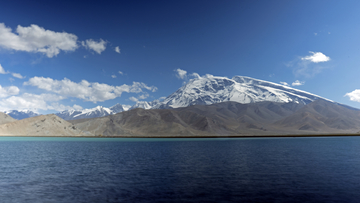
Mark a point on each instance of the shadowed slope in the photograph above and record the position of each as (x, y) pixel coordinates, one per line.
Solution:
(228, 118)
(325, 116)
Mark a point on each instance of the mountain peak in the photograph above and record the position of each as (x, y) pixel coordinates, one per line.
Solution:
(213, 89)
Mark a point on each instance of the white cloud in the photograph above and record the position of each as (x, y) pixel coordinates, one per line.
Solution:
(60, 107)
(113, 76)
(17, 75)
(98, 47)
(316, 57)
(29, 101)
(195, 75)
(309, 66)
(121, 73)
(2, 70)
(8, 91)
(315, 34)
(284, 83)
(144, 96)
(181, 74)
(35, 102)
(133, 99)
(94, 92)
(37, 39)
(117, 49)
(298, 83)
(354, 95)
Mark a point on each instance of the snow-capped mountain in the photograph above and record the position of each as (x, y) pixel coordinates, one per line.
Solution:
(145, 104)
(117, 108)
(21, 114)
(209, 90)
(68, 114)
(212, 89)
(98, 111)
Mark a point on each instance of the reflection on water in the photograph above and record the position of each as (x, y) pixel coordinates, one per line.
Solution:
(180, 170)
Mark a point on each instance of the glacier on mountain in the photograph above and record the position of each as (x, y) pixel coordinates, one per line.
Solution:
(213, 89)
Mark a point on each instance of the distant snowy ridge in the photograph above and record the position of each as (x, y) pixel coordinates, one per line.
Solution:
(213, 89)
(21, 114)
(145, 104)
(98, 111)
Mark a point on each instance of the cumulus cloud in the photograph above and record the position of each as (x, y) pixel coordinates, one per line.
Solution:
(284, 83)
(121, 73)
(30, 101)
(316, 57)
(33, 102)
(37, 39)
(98, 47)
(94, 92)
(117, 49)
(181, 74)
(8, 91)
(113, 76)
(298, 83)
(354, 95)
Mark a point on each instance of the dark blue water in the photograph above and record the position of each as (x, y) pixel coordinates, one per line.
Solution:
(180, 170)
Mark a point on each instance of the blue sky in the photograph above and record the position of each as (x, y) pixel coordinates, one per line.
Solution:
(58, 55)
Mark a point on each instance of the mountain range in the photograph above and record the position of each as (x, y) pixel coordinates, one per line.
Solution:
(199, 91)
(21, 114)
(205, 106)
(229, 119)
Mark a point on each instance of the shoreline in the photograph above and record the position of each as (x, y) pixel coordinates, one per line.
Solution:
(193, 136)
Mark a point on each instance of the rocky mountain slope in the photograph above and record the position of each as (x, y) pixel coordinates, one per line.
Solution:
(4, 118)
(220, 119)
(43, 125)
(227, 118)
(322, 116)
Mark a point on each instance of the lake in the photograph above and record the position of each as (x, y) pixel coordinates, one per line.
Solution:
(311, 169)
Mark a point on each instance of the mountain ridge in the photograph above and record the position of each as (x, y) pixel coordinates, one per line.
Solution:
(227, 118)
